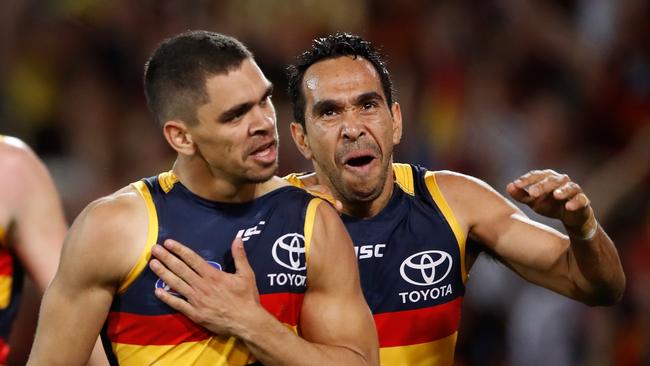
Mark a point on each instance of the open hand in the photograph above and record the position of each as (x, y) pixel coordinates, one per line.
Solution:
(214, 299)
(554, 195)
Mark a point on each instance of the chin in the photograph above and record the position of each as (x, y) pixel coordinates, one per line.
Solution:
(262, 176)
(363, 195)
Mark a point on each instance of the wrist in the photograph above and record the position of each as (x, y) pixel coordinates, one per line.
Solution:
(586, 232)
(253, 321)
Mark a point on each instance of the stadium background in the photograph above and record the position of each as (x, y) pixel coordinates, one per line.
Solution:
(488, 88)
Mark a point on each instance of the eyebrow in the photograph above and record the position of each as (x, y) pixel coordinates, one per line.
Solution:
(324, 105)
(367, 97)
(244, 107)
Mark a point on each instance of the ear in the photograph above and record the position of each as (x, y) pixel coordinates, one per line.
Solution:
(397, 123)
(300, 139)
(179, 137)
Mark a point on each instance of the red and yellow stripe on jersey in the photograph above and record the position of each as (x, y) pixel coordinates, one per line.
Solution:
(6, 271)
(276, 229)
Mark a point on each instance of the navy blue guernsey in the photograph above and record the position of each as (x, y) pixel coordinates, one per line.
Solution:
(276, 230)
(411, 262)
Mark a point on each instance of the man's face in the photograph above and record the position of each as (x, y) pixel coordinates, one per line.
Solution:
(350, 131)
(236, 133)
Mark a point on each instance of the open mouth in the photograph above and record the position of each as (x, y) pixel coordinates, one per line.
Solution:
(263, 149)
(360, 161)
(265, 153)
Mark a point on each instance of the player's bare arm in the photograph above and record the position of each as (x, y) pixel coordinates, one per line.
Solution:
(36, 222)
(336, 325)
(101, 246)
(584, 265)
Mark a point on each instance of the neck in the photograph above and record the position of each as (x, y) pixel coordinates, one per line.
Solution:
(200, 179)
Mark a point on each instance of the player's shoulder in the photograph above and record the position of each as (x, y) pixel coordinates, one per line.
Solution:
(121, 214)
(107, 237)
(16, 155)
(277, 186)
(452, 181)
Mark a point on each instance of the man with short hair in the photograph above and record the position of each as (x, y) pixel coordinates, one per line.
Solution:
(214, 106)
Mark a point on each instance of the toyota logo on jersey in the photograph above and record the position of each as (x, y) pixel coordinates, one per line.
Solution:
(426, 268)
(289, 251)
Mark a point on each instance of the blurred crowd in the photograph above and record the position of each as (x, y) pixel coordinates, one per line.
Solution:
(488, 88)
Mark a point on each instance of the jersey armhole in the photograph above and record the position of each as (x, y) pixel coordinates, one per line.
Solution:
(310, 217)
(404, 178)
(439, 199)
(152, 236)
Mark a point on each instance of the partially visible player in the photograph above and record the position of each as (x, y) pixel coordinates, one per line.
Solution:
(32, 228)
(292, 297)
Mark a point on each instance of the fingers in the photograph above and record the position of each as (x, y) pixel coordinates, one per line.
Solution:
(547, 185)
(519, 194)
(535, 184)
(169, 257)
(185, 256)
(175, 302)
(172, 281)
(242, 267)
(579, 202)
(572, 193)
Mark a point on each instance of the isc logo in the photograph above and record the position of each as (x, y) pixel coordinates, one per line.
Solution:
(370, 251)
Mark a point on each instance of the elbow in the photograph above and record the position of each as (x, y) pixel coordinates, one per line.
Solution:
(608, 294)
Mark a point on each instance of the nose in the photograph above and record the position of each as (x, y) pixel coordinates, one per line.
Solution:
(262, 121)
(352, 129)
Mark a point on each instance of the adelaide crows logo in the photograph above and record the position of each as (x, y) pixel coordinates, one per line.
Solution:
(163, 285)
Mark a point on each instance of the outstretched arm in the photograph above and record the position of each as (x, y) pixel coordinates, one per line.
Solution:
(336, 325)
(584, 265)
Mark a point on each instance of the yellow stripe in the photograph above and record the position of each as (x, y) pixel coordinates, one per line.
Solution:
(404, 177)
(152, 236)
(214, 351)
(5, 291)
(3, 234)
(432, 185)
(167, 180)
(310, 217)
(294, 180)
(436, 353)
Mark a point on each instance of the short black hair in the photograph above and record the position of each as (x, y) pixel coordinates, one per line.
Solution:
(330, 47)
(176, 72)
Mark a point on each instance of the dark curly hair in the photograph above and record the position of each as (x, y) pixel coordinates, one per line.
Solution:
(329, 47)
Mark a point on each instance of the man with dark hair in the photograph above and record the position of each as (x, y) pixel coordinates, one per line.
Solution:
(213, 103)
(417, 232)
